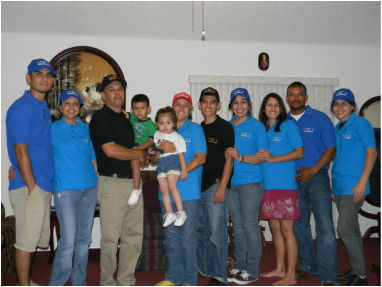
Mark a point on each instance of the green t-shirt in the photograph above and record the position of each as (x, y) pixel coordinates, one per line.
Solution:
(143, 130)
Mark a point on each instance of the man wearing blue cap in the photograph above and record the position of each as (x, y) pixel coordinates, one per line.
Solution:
(314, 193)
(30, 151)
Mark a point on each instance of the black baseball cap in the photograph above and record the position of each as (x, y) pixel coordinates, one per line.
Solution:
(107, 80)
(210, 92)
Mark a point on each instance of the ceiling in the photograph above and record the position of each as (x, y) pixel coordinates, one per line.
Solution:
(324, 23)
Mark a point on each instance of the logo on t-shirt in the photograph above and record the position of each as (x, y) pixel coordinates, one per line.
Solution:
(212, 140)
(276, 139)
(247, 135)
(138, 130)
(187, 140)
(308, 130)
(86, 141)
(346, 137)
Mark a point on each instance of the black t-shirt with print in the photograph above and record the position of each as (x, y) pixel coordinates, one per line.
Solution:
(219, 136)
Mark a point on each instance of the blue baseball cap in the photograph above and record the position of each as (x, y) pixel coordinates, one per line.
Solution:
(240, 92)
(343, 94)
(39, 64)
(66, 94)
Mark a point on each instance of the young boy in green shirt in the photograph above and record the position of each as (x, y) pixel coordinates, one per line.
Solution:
(144, 130)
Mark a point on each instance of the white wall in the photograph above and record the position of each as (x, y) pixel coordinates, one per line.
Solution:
(161, 68)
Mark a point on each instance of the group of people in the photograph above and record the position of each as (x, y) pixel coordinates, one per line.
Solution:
(278, 163)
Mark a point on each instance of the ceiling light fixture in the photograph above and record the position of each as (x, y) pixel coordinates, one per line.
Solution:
(193, 2)
(203, 31)
(193, 17)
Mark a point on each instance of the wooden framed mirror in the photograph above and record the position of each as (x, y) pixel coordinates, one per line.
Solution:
(81, 68)
(371, 110)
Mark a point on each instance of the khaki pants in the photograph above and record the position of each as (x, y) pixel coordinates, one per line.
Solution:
(119, 221)
(32, 214)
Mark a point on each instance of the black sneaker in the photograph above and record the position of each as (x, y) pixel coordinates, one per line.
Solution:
(356, 281)
(345, 276)
(232, 273)
(215, 282)
(244, 278)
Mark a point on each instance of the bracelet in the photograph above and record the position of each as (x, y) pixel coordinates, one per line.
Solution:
(241, 159)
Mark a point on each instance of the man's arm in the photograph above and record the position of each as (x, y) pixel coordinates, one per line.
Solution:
(198, 160)
(111, 149)
(220, 192)
(25, 166)
(146, 145)
(308, 173)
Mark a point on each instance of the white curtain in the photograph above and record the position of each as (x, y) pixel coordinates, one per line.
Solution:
(319, 91)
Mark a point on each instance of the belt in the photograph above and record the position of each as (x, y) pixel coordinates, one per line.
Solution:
(117, 175)
(218, 180)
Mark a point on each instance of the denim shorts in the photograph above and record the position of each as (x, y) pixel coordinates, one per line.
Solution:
(168, 164)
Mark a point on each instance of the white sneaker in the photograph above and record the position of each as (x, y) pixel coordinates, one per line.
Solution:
(168, 219)
(244, 278)
(180, 218)
(134, 197)
(232, 273)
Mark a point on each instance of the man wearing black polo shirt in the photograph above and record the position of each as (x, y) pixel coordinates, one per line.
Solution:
(211, 225)
(113, 139)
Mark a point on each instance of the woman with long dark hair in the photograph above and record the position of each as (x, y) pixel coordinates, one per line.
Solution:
(279, 204)
(246, 192)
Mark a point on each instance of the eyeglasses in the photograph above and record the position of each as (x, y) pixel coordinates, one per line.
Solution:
(343, 104)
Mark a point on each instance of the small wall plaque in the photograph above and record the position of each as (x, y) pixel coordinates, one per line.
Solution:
(263, 61)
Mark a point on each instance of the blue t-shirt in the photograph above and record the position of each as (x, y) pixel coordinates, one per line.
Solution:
(352, 141)
(193, 135)
(250, 136)
(28, 122)
(279, 175)
(317, 133)
(73, 153)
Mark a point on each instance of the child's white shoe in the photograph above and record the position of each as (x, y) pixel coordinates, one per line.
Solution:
(180, 218)
(134, 197)
(168, 219)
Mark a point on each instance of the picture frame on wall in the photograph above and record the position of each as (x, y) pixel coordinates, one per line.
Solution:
(81, 68)
(263, 61)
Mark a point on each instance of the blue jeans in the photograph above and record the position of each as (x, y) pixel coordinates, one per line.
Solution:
(212, 235)
(181, 247)
(243, 205)
(315, 196)
(75, 212)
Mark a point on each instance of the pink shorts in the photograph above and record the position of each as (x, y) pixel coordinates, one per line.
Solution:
(280, 205)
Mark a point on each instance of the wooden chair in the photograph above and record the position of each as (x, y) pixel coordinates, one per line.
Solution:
(373, 229)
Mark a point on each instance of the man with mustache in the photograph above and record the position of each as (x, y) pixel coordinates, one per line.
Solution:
(314, 192)
(121, 224)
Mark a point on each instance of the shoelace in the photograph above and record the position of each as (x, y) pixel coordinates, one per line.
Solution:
(233, 271)
(353, 280)
(245, 275)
